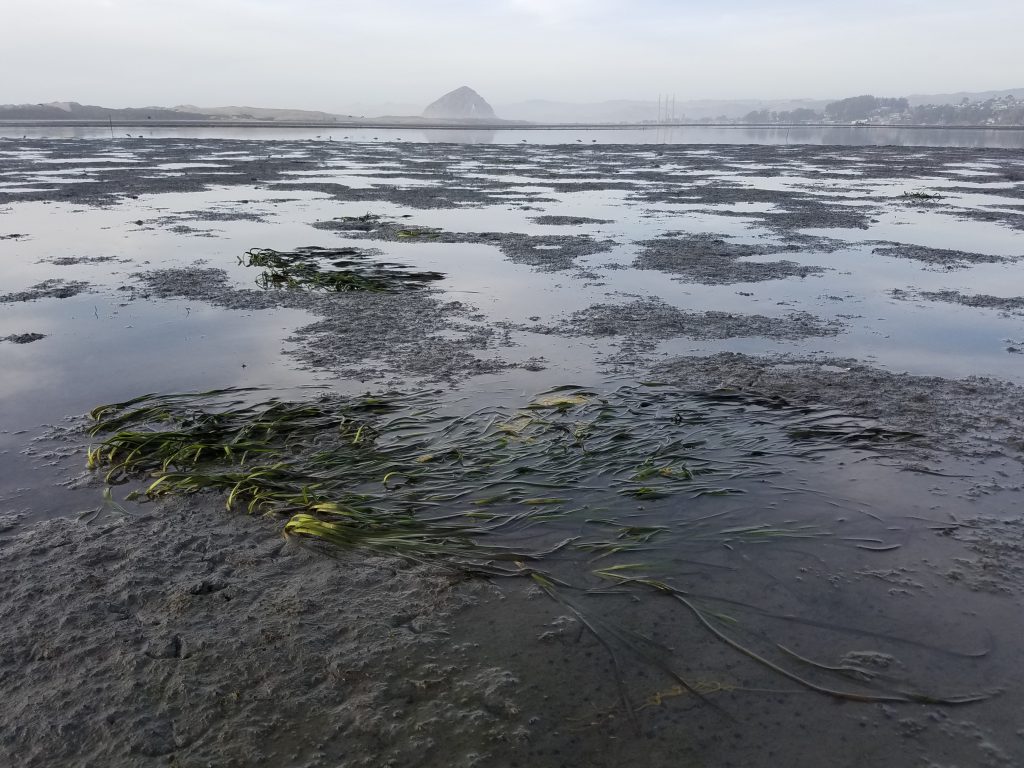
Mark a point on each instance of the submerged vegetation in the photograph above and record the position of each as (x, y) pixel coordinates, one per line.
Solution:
(921, 196)
(332, 269)
(634, 494)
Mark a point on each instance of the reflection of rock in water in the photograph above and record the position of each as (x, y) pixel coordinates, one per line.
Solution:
(461, 136)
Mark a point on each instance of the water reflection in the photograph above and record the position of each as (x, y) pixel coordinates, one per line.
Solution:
(862, 135)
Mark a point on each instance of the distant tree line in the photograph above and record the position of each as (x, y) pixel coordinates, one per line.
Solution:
(864, 108)
(1006, 110)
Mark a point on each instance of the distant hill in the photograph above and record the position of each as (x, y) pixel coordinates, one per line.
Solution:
(955, 98)
(449, 112)
(461, 104)
(262, 113)
(71, 110)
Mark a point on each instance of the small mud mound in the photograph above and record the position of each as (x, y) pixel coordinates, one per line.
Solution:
(48, 289)
(23, 338)
(713, 260)
(545, 252)
(939, 257)
(1013, 305)
(567, 221)
(654, 320)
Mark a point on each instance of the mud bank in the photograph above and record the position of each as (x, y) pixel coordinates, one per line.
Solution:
(567, 221)
(179, 634)
(48, 289)
(1008, 305)
(939, 257)
(716, 261)
(361, 335)
(975, 417)
(546, 252)
(651, 320)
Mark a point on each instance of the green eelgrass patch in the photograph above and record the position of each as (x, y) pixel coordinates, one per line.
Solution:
(332, 270)
(589, 495)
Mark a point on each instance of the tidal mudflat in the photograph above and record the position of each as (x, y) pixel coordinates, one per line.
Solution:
(325, 453)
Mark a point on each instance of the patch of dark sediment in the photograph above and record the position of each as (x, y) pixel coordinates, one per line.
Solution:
(23, 338)
(940, 257)
(219, 214)
(48, 289)
(70, 261)
(1013, 305)
(115, 169)
(1014, 190)
(793, 210)
(545, 252)
(567, 221)
(976, 416)
(126, 638)
(1012, 219)
(818, 216)
(456, 193)
(363, 335)
(181, 223)
(654, 320)
(714, 260)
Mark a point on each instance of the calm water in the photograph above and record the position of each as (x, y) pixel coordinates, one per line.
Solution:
(839, 135)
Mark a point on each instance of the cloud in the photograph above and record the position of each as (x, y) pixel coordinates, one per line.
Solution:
(554, 11)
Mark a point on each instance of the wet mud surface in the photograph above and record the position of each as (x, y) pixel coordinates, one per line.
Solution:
(548, 252)
(227, 646)
(48, 289)
(938, 257)
(711, 260)
(651, 320)
(831, 468)
(363, 336)
(23, 338)
(1010, 305)
(976, 417)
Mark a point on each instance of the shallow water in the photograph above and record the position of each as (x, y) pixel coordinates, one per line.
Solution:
(838, 135)
(114, 342)
(105, 344)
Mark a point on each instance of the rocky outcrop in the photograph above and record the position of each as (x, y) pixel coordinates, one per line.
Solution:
(461, 104)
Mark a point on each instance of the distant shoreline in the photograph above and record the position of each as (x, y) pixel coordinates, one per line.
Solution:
(509, 126)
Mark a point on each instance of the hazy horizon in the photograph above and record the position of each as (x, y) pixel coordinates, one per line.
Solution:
(319, 55)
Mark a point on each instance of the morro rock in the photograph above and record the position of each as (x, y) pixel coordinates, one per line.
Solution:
(461, 104)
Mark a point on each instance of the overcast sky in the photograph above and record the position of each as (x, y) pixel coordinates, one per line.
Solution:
(330, 54)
